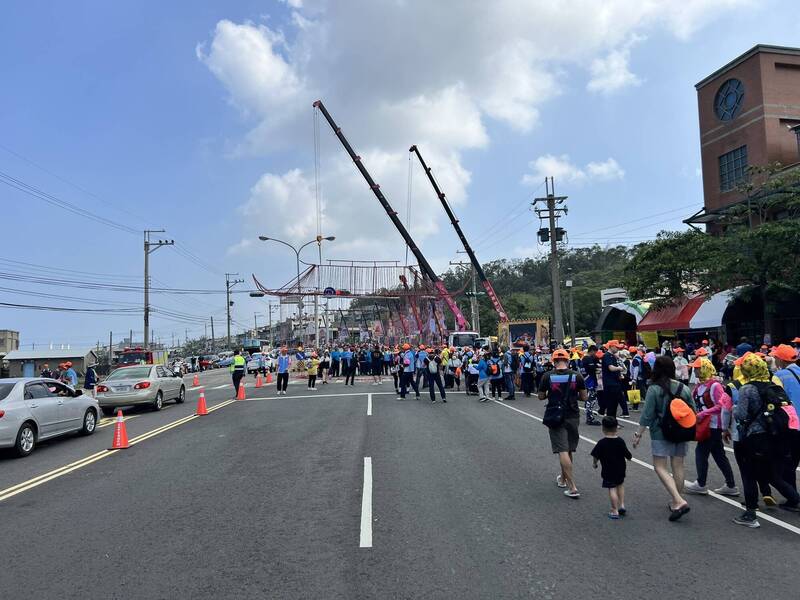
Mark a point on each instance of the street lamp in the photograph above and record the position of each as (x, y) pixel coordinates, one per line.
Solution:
(318, 240)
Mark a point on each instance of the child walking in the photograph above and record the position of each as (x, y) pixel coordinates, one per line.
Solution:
(312, 365)
(611, 452)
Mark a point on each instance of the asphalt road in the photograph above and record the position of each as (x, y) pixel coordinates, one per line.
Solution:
(264, 498)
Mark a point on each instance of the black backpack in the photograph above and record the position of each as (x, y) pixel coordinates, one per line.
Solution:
(514, 362)
(527, 363)
(772, 417)
(554, 411)
(672, 430)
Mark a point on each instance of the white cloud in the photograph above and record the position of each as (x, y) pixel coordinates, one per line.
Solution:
(563, 170)
(612, 72)
(438, 74)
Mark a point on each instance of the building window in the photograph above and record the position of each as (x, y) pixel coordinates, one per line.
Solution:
(732, 168)
(729, 99)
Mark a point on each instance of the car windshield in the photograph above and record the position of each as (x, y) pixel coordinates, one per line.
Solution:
(255, 356)
(130, 373)
(5, 389)
(464, 339)
(129, 358)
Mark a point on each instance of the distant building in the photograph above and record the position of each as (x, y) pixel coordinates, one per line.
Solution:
(28, 363)
(749, 112)
(611, 296)
(9, 340)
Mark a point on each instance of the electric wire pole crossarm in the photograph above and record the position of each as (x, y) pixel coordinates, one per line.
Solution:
(487, 285)
(461, 321)
(229, 283)
(149, 248)
(551, 212)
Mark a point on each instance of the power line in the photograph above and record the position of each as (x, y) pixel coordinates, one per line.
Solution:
(69, 309)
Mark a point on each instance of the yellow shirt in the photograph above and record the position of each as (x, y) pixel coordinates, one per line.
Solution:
(312, 365)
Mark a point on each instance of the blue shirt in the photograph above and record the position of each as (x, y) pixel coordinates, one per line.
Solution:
(73, 376)
(743, 349)
(790, 378)
(411, 359)
(421, 356)
(347, 357)
(283, 363)
(482, 370)
(336, 355)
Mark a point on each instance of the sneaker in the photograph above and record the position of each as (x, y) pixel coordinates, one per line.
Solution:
(560, 482)
(572, 494)
(790, 507)
(770, 501)
(433, 401)
(444, 400)
(748, 519)
(727, 491)
(484, 399)
(696, 488)
(626, 416)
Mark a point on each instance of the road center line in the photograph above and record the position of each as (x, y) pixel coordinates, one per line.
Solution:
(761, 515)
(55, 473)
(369, 405)
(366, 506)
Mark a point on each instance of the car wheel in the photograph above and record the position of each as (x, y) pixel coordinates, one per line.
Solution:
(158, 403)
(26, 440)
(108, 411)
(89, 422)
(181, 396)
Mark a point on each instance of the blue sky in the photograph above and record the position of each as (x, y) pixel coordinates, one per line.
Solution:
(196, 117)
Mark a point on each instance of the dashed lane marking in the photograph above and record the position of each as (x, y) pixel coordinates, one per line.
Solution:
(365, 540)
(369, 405)
(761, 515)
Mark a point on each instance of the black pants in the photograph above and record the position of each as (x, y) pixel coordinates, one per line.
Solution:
(793, 459)
(472, 383)
(385, 368)
(526, 381)
(283, 381)
(435, 378)
(312, 381)
(334, 368)
(350, 374)
(712, 446)
(760, 461)
(421, 376)
(396, 378)
(237, 379)
(496, 386)
(407, 379)
(613, 397)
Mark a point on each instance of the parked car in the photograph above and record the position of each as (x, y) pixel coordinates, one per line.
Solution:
(150, 385)
(253, 364)
(225, 362)
(33, 409)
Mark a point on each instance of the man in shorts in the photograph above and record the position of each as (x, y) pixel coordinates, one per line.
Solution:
(565, 386)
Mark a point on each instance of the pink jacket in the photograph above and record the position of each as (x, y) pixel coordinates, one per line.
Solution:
(720, 399)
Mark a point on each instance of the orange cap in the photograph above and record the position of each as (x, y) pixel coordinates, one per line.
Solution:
(784, 352)
(697, 363)
(422, 346)
(598, 354)
(633, 349)
(738, 362)
(679, 350)
(701, 352)
(796, 340)
(683, 413)
(406, 347)
(560, 355)
(612, 344)
(705, 341)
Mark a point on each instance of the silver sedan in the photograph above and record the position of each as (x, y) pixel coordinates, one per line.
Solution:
(150, 385)
(33, 409)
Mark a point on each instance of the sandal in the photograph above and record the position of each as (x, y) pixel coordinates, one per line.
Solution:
(614, 517)
(677, 513)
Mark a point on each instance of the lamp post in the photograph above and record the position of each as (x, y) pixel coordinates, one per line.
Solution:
(317, 240)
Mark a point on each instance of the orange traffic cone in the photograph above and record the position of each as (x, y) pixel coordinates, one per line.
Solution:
(196, 380)
(240, 395)
(269, 377)
(201, 404)
(259, 383)
(120, 434)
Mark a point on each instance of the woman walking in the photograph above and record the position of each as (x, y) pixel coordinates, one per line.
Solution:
(659, 395)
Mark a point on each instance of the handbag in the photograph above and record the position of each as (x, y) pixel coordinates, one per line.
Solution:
(635, 397)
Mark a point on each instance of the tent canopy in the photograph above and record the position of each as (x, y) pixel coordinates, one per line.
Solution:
(621, 316)
(675, 316)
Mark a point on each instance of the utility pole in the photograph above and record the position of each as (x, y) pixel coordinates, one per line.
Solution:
(213, 339)
(150, 247)
(475, 318)
(255, 323)
(229, 283)
(554, 235)
(110, 348)
(569, 286)
(130, 339)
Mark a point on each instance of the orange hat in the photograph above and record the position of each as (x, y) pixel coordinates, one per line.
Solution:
(679, 350)
(683, 414)
(422, 346)
(705, 341)
(697, 363)
(633, 349)
(701, 352)
(738, 362)
(612, 344)
(560, 355)
(598, 354)
(406, 347)
(784, 352)
(796, 340)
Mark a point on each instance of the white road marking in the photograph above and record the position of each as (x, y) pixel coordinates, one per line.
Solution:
(366, 506)
(761, 515)
(369, 405)
(319, 396)
(219, 387)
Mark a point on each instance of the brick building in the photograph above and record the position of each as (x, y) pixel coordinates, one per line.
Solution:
(749, 114)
